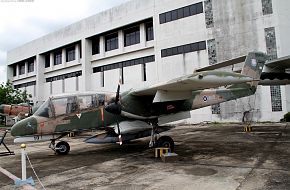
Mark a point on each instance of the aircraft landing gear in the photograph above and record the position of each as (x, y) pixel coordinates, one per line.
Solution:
(61, 148)
(163, 141)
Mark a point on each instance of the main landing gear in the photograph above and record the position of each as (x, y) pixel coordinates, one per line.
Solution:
(163, 141)
(60, 148)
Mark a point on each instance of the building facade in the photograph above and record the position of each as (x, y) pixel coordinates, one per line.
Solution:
(145, 42)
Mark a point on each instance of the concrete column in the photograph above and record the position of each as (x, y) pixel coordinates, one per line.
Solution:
(78, 52)
(40, 80)
(86, 65)
(63, 57)
(121, 40)
(26, 69)
(51, 59)
(102, 46)
(17, 70)
(142, 35)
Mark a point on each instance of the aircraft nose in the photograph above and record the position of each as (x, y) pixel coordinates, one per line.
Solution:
(24, 127)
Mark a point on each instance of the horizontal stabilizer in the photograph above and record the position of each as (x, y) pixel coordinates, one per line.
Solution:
(223, 64)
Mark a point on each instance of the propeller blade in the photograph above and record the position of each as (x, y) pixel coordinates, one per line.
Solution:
(119, 134)
(117, 94)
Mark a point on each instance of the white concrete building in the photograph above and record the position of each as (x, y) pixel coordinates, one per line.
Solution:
(151, 41)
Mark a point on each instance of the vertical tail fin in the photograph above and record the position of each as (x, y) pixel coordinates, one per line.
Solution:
(254, 65)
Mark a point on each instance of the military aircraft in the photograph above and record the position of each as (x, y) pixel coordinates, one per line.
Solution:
(134, 114)
(18, 111)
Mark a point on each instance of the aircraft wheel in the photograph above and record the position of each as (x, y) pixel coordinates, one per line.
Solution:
(166, 141)
(62, 148)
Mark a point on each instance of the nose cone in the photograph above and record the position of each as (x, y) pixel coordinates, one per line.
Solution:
(25, 127)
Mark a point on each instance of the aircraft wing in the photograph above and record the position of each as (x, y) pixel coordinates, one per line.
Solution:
(276, 72)
(181, 88)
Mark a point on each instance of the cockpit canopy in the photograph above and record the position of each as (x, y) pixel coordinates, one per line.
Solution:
(57, 106)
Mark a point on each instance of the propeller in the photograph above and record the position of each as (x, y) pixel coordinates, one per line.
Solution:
(115, 108)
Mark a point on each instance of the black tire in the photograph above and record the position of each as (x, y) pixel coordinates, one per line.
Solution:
(165, 141)
(62, 148)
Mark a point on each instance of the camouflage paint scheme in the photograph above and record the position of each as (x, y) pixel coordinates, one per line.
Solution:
(15, 110)
(182, 94)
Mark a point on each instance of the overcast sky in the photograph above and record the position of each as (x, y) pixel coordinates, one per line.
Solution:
(21, 21)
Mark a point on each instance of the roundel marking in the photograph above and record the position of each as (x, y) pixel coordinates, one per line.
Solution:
(205, 98)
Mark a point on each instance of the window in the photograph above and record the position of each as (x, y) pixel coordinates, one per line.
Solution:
(87, 102)
(30, 67)
(47, 60)
(216, 109)
(267, 7)
(64, 76)
(44, 110)
(132, 36)
(181, 13)
(127, 63)
(14, 70)
(112, 41)
(183, 49)
(149, 31)
(276, 98)
(21, 68)
(70, 54)
(57, 57)
(65, 105)
(95, 45)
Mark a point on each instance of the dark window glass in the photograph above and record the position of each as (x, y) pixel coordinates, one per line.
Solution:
(162, 18)
(168, 16)
(174, 15)
(187, 48)
(194, 46)
(132, 36)
(21, 68)
(127, 63)
(180, 50)
(57, 57)
(163, 53)
(183, 49)
(169, 52)
(180, 13)
(95, 45)
(174, 51)
(47, 60)
(192, 9)
(70, 54)
(14, 70)
(199, 8)
(186, 11)
(202, 45)
(149, 31)
(112, 41)
(30, 67)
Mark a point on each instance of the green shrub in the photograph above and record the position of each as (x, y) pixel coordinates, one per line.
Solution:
(287, 117)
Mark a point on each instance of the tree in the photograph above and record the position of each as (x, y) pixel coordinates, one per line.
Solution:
(9, 95)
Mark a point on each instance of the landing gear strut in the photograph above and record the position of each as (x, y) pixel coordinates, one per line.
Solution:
(61, 148)
(163, 141)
